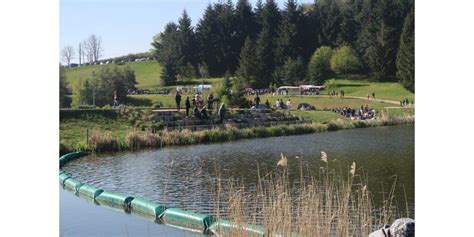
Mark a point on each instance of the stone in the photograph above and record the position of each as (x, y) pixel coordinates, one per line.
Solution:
(403, 227)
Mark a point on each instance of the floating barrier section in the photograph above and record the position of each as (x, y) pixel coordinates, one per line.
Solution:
(186, 219)
(225, 228)
(63, 177)
(116, 199)
(73, 184)
(172, 216)
(89, 191)
(71, 156)
(147, 207)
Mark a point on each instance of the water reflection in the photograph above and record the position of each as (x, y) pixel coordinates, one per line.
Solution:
(184, 177)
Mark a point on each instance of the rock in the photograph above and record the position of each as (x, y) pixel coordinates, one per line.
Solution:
(403, 227)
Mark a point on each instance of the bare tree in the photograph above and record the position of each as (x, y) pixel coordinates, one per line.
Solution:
(67, 53)
(87, 51)
(80, 54)
(93, 48)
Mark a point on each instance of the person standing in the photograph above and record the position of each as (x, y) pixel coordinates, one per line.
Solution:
(221, 113)
(178, 100)
(188, 106)
(288, 105)
(210, 101)
(257, 100)
(115, 99)
(373, 95)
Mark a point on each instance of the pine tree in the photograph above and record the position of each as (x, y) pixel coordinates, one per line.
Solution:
(206, 31)
(186, 42)
(385, 41)
(289, 40)
(293, 71)
(329, 18)
(64, 89)
(228, 50)
(245, 22)
(265, 44)
(167, 53)
(406, 54)
(247, 63)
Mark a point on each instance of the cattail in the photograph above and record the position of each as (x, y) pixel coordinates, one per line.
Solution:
(324, 157)
(283, 161)
(353, 168)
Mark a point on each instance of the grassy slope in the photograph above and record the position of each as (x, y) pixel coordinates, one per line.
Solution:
(383, 90)
(147, 73)
(148, 77)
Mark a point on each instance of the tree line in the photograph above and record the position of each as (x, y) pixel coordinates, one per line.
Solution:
(89, 51)
(265, 45)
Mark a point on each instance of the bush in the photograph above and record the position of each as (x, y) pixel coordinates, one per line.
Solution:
(344, 60)
(319, 68)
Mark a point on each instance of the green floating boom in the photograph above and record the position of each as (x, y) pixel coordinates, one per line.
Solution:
(116, 199)
(147, 207)
(89, 191)
(63, 177)
(71, 156)
(186, 219)
(73, 184)
(225, 227)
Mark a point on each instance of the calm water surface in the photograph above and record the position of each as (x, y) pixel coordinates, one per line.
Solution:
(184, 177)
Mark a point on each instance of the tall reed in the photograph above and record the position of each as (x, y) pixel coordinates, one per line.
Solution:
(329, 203)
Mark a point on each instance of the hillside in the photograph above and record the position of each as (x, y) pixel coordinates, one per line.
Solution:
(147, 73)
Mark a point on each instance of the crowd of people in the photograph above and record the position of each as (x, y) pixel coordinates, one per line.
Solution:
(405, 102)
(334, 93)
(364, 112)
(199, 110)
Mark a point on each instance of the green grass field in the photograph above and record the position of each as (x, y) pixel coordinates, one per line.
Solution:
(73, 131)
(147, 73)
(383, 90)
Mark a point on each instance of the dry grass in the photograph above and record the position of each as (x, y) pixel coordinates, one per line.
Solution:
(326, 204)
(103, 141)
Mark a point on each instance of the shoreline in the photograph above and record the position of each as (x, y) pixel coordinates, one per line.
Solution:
(102, 142)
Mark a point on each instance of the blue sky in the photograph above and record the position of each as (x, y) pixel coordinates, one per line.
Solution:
(125, 26)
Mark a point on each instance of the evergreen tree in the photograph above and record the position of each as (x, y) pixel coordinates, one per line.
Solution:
(289, 40)
(329, 18)
(227, 44)
(186, 42)
(246, 25)
(64, 90)
(247, 63)
(167, 53)
(258, 16)
(384, 43)
(266, 42)
(349, 25)
(206, 31)
(293, 71)
(406, 54)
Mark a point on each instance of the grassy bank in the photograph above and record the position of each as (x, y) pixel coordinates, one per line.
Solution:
(361, 86)
(104, 137)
